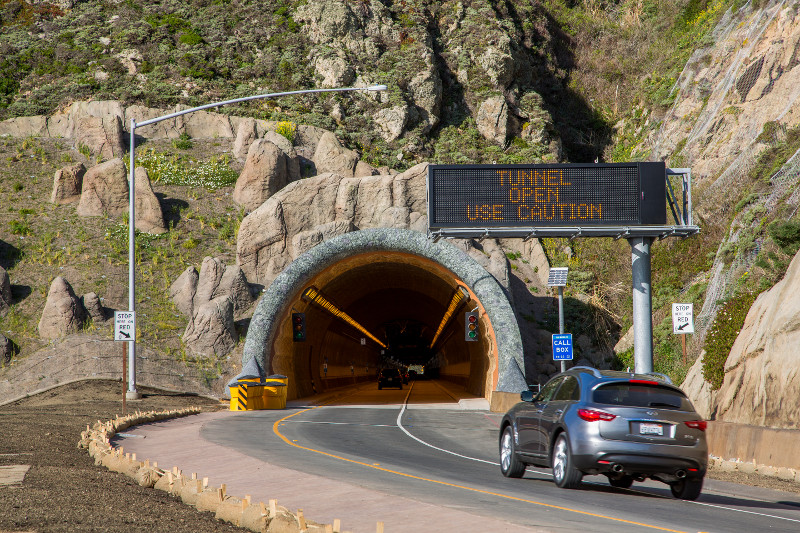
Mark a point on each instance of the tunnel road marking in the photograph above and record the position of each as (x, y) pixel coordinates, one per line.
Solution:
(453, 485)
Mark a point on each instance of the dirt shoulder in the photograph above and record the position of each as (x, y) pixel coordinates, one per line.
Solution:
(63, 490)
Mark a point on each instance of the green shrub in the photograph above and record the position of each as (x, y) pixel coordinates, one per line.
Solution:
(20, 227)
(786, 235)
(190, 38)
(184, 142)
(722, 335)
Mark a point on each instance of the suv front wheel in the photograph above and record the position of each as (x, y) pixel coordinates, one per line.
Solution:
(565, 474)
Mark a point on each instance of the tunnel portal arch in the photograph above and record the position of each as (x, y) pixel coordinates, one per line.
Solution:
(345, 264)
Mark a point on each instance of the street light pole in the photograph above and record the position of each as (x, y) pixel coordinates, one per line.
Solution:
(132, 393)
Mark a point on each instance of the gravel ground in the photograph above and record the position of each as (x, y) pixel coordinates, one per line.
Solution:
(64, 491)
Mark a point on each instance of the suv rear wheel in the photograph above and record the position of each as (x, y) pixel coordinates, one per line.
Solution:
(687, 489)
(565, 475)
(510, 466)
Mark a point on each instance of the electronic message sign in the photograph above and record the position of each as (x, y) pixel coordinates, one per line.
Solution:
(529, 196)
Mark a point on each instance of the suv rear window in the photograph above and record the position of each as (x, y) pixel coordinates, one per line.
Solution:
(390, 373)
(641, 395)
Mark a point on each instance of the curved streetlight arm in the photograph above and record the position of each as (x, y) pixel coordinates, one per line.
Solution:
(132, 392)
(258, 97)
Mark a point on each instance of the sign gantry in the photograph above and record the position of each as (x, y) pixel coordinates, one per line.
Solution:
(619, 200)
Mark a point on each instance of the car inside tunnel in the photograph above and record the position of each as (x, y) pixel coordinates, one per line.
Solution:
(378, 310)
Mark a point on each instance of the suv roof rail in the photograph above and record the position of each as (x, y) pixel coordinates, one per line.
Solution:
(596, 373)
(665, 378)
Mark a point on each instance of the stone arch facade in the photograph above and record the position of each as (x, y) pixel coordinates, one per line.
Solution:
(277, 298)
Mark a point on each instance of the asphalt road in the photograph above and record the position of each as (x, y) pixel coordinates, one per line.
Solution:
(420, 444)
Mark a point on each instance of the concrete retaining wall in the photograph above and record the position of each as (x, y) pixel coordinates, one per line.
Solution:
(754, 444)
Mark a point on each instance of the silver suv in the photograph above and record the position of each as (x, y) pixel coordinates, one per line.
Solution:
(626, 426)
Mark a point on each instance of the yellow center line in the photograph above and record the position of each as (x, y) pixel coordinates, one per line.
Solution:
(472, 489)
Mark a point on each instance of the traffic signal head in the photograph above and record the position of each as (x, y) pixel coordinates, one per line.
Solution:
(298, 327)
(471, 327)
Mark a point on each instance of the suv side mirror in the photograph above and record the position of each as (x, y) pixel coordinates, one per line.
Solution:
(526, 396)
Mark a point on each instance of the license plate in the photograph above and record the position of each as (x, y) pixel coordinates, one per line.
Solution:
(651, 429)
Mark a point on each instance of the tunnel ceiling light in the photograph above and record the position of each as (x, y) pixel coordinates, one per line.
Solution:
(459, 297)
(312, 294)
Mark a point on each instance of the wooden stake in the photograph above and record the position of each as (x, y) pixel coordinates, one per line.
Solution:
(380, 528)
(224, 489)
(337, 525)
(301, 520)
(273, 508)
(683, 344)
(205, 482)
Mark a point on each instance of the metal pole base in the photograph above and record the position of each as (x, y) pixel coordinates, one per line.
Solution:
(133, 395)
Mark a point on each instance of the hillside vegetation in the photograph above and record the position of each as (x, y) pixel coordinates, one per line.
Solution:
(588, 80)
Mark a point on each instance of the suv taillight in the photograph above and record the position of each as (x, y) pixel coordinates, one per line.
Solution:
(592, 415)
(697, 424)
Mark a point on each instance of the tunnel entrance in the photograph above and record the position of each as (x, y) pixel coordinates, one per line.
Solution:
(385, 297)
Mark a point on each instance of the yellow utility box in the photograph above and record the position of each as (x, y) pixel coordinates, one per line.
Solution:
(253, 395)
(283, 379)
(247, 396)
(274, 395)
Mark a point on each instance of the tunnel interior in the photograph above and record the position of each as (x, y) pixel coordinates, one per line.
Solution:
(401, 300)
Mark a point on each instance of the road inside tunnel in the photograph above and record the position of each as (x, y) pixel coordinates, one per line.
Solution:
(383, 309)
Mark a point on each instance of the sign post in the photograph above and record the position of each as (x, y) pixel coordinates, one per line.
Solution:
(124, 330)
(683, 323)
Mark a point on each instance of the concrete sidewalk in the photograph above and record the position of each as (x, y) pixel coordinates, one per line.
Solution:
(178, 442)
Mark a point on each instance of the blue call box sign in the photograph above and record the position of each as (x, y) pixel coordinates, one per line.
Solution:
(562, 347)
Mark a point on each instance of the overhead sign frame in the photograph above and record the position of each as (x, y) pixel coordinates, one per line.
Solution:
(620, 200)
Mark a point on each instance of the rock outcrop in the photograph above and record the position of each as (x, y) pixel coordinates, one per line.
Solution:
(91, 302)
(183, 289)
(725, 99)
(149, 216)
(211, 330)
(5, 292)
(331, 156)
(321, 207)
(191, 290)
(6, 350)
(67, 184)
(105, 190)
(216, 280)
(63, 313)
(762, 373)
(211, 299)
(265, 172)
(101, 134)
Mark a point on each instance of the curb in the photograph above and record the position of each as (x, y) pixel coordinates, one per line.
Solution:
(193, 490)
(750, 467)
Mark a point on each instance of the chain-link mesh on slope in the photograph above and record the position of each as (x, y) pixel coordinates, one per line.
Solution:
(741, 76)
(785, 189)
